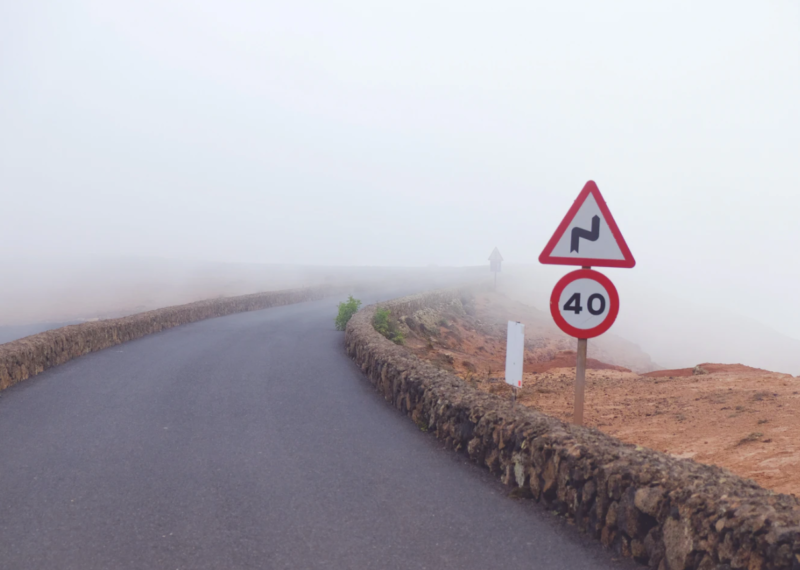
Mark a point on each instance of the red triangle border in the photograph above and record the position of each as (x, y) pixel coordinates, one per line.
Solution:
(546, 256)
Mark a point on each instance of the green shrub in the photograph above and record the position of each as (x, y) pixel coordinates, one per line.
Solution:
(385, 324)
(381, 321)
(346, 310)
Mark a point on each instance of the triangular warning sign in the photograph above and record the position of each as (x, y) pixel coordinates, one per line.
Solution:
(588, 235)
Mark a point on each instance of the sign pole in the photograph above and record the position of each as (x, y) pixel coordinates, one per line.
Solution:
(580, 380)
(580, 377)
(588, 235)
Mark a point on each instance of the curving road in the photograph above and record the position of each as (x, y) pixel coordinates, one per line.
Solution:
(248, 442)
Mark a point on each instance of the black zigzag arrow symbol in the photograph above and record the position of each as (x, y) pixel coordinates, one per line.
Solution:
(578, 233)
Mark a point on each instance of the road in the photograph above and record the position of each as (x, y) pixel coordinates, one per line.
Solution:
(248, 442)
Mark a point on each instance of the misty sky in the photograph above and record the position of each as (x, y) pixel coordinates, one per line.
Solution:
(409, 133)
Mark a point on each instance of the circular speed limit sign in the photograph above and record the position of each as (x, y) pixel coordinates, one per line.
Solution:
(584, 303)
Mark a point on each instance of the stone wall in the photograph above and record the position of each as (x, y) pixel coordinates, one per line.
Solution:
(668, 513)
(26, 357)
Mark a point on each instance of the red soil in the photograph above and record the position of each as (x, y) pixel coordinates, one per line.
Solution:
(569, 359)
(709, 368)
(738, 417)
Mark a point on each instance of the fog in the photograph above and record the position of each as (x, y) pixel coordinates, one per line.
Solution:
(157, 152)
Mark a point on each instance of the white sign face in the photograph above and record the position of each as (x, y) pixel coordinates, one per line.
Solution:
(584, 304)
(588, 236)
(515, 352)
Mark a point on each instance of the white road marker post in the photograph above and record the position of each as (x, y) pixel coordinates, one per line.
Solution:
(515, 353)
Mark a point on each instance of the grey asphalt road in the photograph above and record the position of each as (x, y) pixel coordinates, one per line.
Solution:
(248, 442)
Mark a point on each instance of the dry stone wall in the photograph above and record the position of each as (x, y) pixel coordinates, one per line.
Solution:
(26, 357)
(668, 513)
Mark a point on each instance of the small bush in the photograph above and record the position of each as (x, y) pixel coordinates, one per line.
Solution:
(346, 310)
(385, 324)
(755, 436)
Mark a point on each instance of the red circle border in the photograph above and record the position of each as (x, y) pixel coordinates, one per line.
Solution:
(613, 301)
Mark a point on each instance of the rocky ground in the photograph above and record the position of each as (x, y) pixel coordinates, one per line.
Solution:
(734, 416)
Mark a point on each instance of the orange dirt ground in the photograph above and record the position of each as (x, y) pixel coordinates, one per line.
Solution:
(734, 416)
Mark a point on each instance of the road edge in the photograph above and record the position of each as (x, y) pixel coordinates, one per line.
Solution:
(666, 512)
(26, 357)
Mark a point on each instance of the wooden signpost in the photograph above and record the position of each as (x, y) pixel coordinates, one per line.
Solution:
(585, 303)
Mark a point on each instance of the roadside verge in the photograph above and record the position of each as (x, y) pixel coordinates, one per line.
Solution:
(669, 513)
